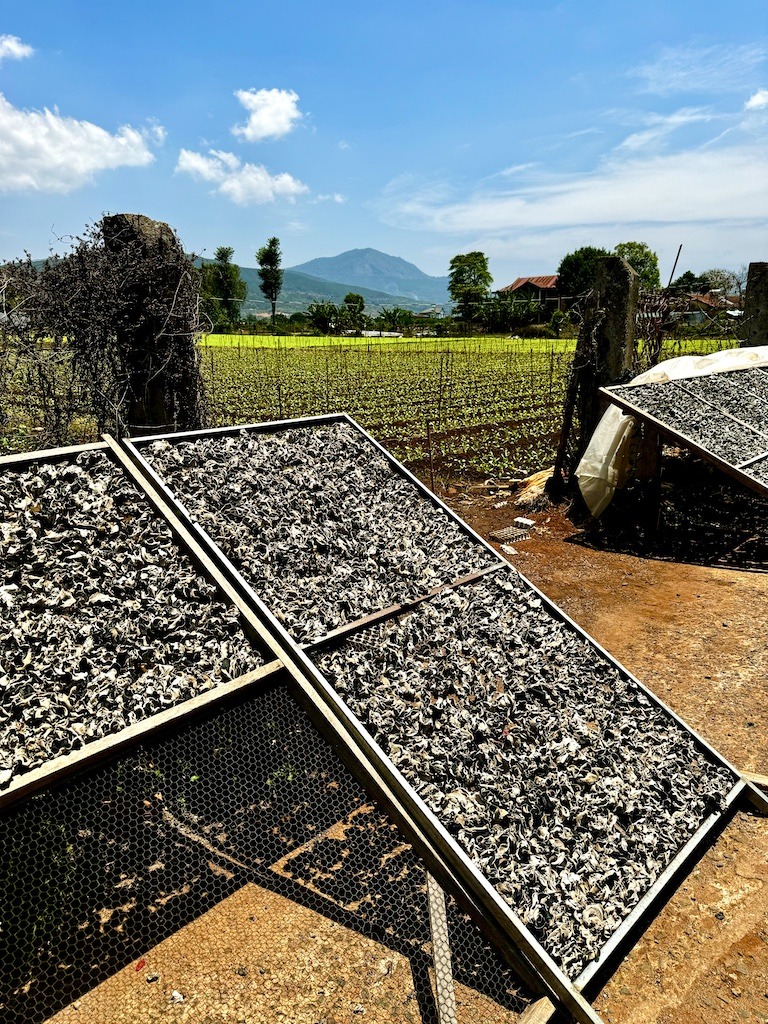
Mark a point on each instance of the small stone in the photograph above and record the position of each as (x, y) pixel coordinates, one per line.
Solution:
(152, 977)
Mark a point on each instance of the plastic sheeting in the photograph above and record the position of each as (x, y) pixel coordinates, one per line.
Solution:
(606, 464)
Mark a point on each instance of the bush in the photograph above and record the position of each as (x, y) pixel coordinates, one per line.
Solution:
(536, 331)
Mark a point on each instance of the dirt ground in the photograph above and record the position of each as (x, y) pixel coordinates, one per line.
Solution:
(694, 634)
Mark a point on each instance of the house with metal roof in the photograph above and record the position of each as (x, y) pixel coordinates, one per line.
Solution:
(542, 288)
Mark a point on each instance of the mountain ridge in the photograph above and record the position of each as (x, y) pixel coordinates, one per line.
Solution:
(409, 287)
(376, 270)
(299, 290)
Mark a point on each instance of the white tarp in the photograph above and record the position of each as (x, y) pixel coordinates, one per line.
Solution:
(606, 463)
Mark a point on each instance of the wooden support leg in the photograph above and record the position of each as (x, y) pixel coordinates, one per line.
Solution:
(540, 1012)
(445, 995)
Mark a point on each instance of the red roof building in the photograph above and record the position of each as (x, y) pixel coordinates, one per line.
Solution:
(542, 288)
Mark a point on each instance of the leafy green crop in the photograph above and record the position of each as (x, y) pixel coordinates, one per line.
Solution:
(480, 407)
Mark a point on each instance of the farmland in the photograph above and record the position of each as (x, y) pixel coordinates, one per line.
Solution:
(448, 407)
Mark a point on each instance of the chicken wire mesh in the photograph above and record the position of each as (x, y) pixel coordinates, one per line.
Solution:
(235, 867)
(249, 817)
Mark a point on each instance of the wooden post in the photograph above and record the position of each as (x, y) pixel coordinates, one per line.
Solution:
(540, 1012)
(431, 460)
(754, 327)
(445, 994)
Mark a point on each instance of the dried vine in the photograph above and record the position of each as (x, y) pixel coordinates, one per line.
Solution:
(106, 332)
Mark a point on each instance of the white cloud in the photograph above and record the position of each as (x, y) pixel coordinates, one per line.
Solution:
(696, 69)
(155, 132)
(12, 48)
(241, 183)
(42, 151)
(272, 113)
(758, 100)
(717, 182)
(695, 175)
(516, 169)
(717, 185)
(333, 197)
(660, 126)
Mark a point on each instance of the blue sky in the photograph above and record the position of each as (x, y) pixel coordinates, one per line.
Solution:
(422, 129)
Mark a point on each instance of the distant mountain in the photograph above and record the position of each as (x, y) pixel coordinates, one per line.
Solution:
(369, 268)
(300, 289)
(409, 287)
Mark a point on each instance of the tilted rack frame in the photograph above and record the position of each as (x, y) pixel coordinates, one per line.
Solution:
(622, 396)
(440, 852)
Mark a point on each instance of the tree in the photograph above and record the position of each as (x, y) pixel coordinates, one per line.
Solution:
(725, 282)
(270, 274)
(643, 261)
(469, 283)
(323, 317)
(506, 312)
(576, 273)
(689, 282)
(222, 290)
(354, 315)
(395, 318)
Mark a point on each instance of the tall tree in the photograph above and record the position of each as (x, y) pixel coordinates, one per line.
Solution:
(469, 281)
(576, 273)
(354, 308)
(270, 274)
(223, 290)
(643, 261)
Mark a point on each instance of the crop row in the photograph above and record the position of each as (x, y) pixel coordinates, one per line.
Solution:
(466, 407)
(476, 409)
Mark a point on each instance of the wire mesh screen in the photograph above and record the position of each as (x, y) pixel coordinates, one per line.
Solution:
(237, 867)
(560, 779)
(723, 414)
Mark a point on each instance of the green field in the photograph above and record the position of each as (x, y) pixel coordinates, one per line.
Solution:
(450, 408)
(456, 408)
